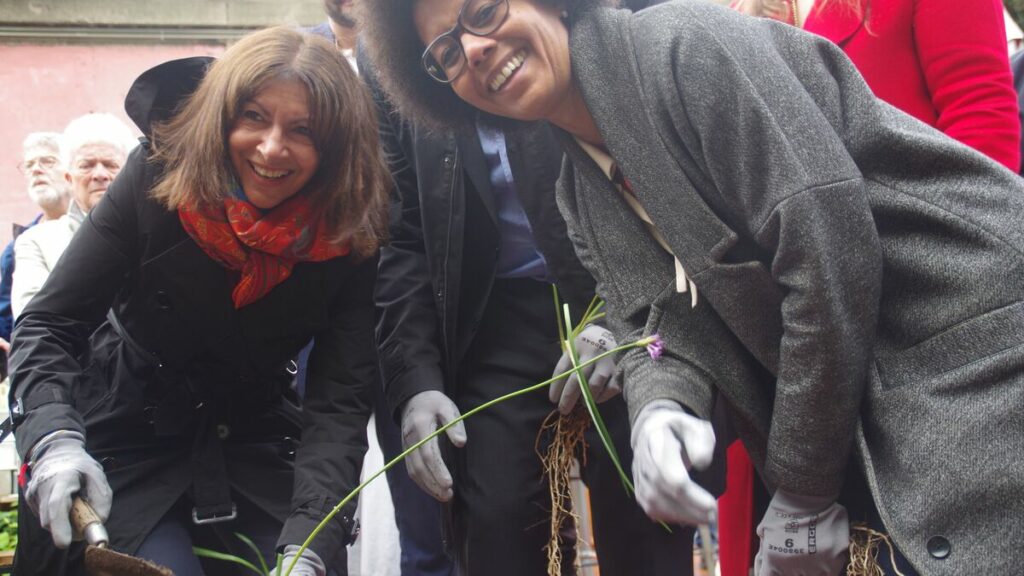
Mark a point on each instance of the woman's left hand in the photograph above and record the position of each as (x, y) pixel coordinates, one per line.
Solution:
(590, 342)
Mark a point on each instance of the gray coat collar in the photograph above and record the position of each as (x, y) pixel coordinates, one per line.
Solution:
(698, 238)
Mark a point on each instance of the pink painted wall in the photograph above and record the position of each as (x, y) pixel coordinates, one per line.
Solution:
(43, 87)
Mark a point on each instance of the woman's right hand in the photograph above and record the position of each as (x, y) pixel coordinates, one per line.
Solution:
(667, 442)
(59, 468)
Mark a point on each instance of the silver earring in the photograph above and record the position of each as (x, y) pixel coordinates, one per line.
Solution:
(565, 14)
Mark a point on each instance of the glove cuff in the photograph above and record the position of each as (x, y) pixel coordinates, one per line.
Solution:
(792, 502)
(308, 556)
(647, 411)
(51, 439)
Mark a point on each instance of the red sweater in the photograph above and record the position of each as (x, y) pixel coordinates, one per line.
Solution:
(942, 61)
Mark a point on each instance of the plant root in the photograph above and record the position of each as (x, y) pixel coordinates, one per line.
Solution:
(864, 544)
(566, 434)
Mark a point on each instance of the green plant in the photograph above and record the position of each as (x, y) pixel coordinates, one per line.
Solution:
(1016, 9)
(9, 528)
(262, 569)
(592, 314)
(567, 337)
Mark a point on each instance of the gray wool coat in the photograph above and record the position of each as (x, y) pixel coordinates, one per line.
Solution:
(860, 276)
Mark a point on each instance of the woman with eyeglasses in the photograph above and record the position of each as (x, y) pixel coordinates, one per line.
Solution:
(848, 279)
(152, 374)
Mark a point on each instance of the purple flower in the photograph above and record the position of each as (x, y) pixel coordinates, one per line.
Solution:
(655, 347)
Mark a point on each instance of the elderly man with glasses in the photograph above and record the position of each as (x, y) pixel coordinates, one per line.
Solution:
(44, 177)
(93, 149)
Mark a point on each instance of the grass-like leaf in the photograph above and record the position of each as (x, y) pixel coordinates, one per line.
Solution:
(441, 430)
(206, 553)
(592, 314)
(252, 546)
(588, 397)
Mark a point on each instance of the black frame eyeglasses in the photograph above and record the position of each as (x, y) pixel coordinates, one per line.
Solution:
(444, 59)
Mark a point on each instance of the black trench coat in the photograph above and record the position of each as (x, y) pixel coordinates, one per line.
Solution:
(134, 340)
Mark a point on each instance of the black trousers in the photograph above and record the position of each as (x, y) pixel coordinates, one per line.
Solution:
(502, 507)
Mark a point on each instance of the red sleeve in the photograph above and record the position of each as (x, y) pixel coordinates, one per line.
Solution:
(963, 52)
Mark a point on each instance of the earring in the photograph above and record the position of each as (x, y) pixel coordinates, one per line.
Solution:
(565, 14)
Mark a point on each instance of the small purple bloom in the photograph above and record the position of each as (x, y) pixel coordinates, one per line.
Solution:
(656, 347)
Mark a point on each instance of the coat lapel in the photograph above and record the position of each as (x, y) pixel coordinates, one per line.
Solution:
(697, 236)
(476, 167)
(616, 239)
(665, 186)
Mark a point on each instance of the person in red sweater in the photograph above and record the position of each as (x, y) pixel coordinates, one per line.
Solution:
(942, 61)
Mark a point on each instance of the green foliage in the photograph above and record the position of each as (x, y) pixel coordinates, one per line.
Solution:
(1016, 8)
(9, 529)
(262, 569)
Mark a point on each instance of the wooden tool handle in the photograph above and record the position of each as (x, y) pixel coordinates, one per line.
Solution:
(82, 514)
(86, 524)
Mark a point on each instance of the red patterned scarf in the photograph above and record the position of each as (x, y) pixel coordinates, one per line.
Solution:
(263, 247)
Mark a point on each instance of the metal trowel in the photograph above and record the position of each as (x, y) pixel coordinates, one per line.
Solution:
(101, 560)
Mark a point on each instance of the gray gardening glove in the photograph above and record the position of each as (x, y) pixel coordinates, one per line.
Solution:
(421, 416)
(59, 467)
(590, 342)
(309, 563)
(667, 442)
(802, 536)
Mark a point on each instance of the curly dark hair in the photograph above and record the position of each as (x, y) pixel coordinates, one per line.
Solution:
(394, 47)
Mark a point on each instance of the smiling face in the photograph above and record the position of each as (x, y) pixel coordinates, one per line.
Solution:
(520, 71)
(91, 170)
(271, 145)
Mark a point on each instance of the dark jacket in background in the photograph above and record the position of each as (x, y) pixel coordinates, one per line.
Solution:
(443, 224)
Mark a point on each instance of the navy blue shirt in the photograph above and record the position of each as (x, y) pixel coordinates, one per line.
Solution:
(518, 256)
(6, 280)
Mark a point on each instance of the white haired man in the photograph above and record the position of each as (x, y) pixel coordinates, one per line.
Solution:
(94, 147)
(44, 176)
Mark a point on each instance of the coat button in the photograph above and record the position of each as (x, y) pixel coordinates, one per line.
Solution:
(223, 431)
(108, 463)
(149, 412)
(288, 447)
(163, 301)
(938, 547)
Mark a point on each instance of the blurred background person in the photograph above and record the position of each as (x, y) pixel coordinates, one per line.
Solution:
(44, 175)
(94, 147)
(944, 62)
(378, 551)
(340, 27)
(247, 226)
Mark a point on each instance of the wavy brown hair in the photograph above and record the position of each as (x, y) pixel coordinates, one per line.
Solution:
(350, 186)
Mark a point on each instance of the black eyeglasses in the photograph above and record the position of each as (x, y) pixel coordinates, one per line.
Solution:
(444, 59)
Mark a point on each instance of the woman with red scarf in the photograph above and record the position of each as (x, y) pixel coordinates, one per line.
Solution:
(152, 374)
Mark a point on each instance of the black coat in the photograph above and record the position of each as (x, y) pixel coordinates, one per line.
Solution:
(174, 371)
(436, 273)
